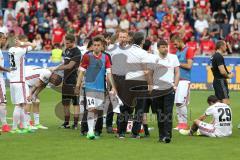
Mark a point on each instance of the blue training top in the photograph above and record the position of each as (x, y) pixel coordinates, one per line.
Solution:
(95, 74)
(184, 73)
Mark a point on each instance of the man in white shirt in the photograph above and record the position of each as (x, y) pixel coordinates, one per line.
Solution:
(221, 124)
(128, 70)
(124, 23)
(200, 24)
(165, 73)
(61, 5)
(111, 23)
(22, 4)
(18, 88)
(8, 11)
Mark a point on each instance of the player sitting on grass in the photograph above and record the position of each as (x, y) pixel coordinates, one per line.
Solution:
(221, 125)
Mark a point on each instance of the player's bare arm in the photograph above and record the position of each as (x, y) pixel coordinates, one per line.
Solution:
(4, 69)
(196, 123)
(187, 65)
(176, 76)
(202, 117)
(70, 65)
(79, 82)
(224, 72)
(36, 89)
(111, 80)
(149, 78)
(24, 44)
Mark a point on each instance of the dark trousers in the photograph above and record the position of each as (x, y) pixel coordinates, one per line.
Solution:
(123, 117)
(109, 117)
(164, 108)
(138, 116)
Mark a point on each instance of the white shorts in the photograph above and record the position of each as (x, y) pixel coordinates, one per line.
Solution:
(19, 92)
(3, 98)
(207, 129)
(182, 92)
(95, 100)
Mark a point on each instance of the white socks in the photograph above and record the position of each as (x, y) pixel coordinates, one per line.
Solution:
(182, 114)
(91, 122)
(27, 118)
(19, 117)
(36, 118)
(3, 113)
(16, 117)
(23, 118)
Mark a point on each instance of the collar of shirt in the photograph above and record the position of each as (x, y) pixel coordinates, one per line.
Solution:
(97, 56)
(164, 58)
(136, 45)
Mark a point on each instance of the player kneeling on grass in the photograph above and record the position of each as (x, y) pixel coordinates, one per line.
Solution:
(94, 66)
(221, 125)
(37, 79)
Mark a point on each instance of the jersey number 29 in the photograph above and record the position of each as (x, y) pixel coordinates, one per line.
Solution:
(226, 112)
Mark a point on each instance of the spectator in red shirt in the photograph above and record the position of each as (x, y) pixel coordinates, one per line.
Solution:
(58, 34)
(193, 44)
(164, 34)
(233, 43)
(33, 7)
(73, 7)
(76, 24)
(166, 24)
(147, 12)
(207, 46)
(171, 47)
(186, 31)
(123, 2)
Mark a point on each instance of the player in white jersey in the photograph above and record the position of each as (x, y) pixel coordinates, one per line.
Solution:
(221, 125)
(35, 76)
(18, 87)
(3, 100)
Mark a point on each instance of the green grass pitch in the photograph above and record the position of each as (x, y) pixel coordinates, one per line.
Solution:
(60, 144)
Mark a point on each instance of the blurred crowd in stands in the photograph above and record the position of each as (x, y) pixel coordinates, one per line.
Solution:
(199, 22)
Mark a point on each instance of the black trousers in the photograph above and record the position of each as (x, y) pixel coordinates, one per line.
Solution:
(164, 109)
(128, 91)
(123, 117)
(142, 106)
(109, 117)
